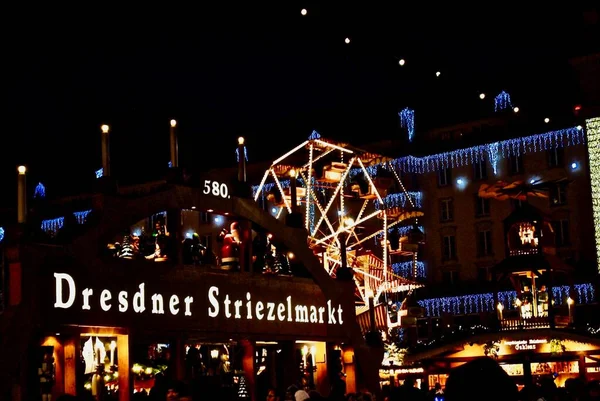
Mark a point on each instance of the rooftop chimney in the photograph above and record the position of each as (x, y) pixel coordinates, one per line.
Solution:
(174, 145)
(105, 151)
(21, 195)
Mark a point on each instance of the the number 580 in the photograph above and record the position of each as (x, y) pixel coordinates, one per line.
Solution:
(216, 189)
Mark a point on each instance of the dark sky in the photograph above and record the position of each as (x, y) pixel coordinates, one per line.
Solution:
(264, 72)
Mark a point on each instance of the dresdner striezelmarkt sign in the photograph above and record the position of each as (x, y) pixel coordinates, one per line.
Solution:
(231, 302)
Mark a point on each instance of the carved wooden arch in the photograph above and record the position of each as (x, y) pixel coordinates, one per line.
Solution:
(116, 212)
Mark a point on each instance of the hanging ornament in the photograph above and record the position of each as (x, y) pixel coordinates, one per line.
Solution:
(314, 135)
(407, 120)
(502, 102)
(40, 191)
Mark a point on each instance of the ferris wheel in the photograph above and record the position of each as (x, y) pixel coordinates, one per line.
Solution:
(341, 193)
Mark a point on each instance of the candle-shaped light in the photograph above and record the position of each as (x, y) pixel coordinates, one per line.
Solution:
(105, 150)
(500, 308)
(313, 351)
(304, 352)
(21, 195)
(241, 159)
(174, 145)
(570, 303)
(293, 190)
(113, 345)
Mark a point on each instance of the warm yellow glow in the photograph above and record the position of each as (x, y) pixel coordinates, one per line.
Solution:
(570, 301)
(214, 353)
(369, 293)
(593, 145)
(516, 109)
(348, 221)
(293, 173)
(21, 169)
(482, 96)
(402, 62)
(500, 306)
(105, 128)
(291, 255)
(303, 11)
(173, 123)
(241, 140)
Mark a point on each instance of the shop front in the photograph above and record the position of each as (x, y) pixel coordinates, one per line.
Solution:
(115, 333)
(526, 357)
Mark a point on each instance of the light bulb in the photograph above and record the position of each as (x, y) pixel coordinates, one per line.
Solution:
(402, 61)
(347, 40)
(173, 123)
(105, 128)
(21, 169)
(437, 74)
(516, 109)
(241, 140)
(482, 96)
(303, 11)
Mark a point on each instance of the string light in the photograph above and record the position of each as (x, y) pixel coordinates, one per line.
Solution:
(405, 269)
(407, 120)
(40, 191)
(237, 154)
(496, 150)
(478, 303)
(502, 101)
(99, 173)
(593, 144)
(81, 217)
(1, 234)
(314, 135)
(400, 200)
(52, 226)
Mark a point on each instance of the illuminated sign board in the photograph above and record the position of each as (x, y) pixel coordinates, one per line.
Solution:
(526, 345)
(215, 303)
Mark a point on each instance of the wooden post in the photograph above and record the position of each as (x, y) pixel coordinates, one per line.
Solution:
(248, 366)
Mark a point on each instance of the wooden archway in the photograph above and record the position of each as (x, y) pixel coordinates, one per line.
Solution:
(113, 212)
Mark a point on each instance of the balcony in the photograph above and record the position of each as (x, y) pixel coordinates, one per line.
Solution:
(533, 323)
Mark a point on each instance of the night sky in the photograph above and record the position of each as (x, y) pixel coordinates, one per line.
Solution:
(264, 72)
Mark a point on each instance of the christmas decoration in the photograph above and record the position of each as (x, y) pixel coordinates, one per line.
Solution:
(407, 120)
(40, 191)
(477, 303)
(502, 102)
(593, 144)
(1, 234)
(99, 173)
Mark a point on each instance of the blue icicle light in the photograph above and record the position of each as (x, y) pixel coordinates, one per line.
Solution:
(407, 120)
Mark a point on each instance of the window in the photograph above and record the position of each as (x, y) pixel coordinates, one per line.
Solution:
(444, 177)
(450, 277)
(561, 232)
(482, 206)
(484, 243)
(484, 273)
(515, 165)
(480, 170)
(556, 157)
(446, 209)
(448, 247)
(558, 195)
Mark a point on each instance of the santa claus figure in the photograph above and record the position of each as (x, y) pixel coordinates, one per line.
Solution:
(230, 255)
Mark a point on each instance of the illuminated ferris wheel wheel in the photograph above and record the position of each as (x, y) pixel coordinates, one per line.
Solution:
(341, 195)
